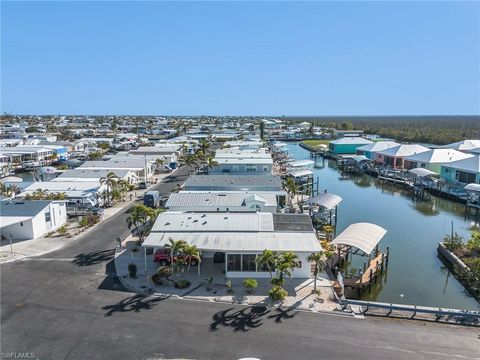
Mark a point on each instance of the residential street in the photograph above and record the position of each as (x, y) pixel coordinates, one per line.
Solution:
(68, 305)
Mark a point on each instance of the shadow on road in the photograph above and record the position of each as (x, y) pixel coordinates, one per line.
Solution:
(94, 258)
(240, 320)
(135, 303)
(283, 314)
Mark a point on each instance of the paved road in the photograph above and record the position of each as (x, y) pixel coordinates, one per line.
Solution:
(68, 305)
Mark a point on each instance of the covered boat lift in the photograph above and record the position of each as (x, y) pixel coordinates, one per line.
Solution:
(327, 204)
(364, 238)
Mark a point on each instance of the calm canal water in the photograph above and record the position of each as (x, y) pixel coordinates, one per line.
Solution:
(415, 274)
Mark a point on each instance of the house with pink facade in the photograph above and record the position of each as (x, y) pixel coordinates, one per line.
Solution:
(393, 157)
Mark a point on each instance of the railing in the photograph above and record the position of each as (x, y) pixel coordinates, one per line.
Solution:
(438, 312)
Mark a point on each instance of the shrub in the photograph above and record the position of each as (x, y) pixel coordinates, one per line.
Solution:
(454, 242)
(277, 281)
(228, 284)
(250, 284)
(132, 270)
(277, 293)
(163, 272)
(182, 284)
(62, 230)
(473, 244)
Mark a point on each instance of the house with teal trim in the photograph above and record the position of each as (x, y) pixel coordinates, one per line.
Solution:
(347, 145)
(369, 150)
(433, 159)
(466, 171)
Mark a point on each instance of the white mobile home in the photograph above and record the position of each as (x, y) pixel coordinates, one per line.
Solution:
(24, 220)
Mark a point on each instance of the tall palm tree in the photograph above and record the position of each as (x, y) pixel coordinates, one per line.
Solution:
(140, 217)
(110, 182)
(159, 163)
(204, 145)
(187, 160)
(292, 189)
(175, 247)
(268, 258)
(319, 265)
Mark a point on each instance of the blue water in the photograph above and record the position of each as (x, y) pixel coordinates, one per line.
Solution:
(415, 274)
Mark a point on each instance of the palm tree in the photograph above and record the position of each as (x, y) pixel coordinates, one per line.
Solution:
(287, 261)
(292, 189)
(204, 145)
(268, 258)
(262, 130)
(175, 247)
(139, 218)
(211, 163)
(319, 265)
(191, 252)
(187, 160)
(39, 194)
(159, 163)
(110, 181)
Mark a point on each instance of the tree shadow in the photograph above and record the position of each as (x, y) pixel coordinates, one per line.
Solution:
(283, 314)
(94, 258)
(135, 303)
(241, 320)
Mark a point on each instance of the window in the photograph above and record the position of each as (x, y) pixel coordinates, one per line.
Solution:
(248, 262)
(423, 165)
(234, 262)
(398, 162)
(21, 223)
(47, 217)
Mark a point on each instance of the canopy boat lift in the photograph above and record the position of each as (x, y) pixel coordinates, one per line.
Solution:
(360, 239)
(323, 210)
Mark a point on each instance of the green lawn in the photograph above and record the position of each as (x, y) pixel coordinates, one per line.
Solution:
(316, 142)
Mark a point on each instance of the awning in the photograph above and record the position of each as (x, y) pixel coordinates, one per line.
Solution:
(300, 173)
(472, 187)
(300, 163)
(363, 236)
(327, 200)
(422, 172)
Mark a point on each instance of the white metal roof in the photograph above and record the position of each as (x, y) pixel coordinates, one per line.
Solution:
(472, 187)
(378, 146)
(300, 163)
(464, 145)
(198, 200)
(471, 164)
(11, 220)
(422, 172)
(363, 236)
(300, 173)
(246, 160)
(351, 141)
(212, 222)
(438, 156)
(403, 150)
(241, 241)
(327, 200)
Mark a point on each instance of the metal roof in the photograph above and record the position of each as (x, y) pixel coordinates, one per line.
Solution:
(464, 145)
(23, 208)
(222, 182)
(300, 163)
(439, 156)
(472, 187)
(422, 172)
(363, 236)
(90, 173)
(378, 146)
(471, 164)
(327, 200)
(213, 222)
(241, 241)
(356, 140)
(403, 150)
(133, 163)
(300, 173)
(197, 200)
(292, 222)
(246, 160)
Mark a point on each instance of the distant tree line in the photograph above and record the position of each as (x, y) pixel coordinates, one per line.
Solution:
(438, 130)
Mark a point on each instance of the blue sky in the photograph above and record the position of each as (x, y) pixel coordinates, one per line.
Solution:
(232, 58)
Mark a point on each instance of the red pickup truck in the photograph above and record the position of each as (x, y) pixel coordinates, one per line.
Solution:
(162, 256)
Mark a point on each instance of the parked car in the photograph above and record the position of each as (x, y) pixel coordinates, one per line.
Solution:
(143, 184)
(162, 256)
(151, 199)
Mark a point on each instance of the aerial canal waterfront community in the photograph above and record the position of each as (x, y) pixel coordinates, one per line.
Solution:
(259, 218)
